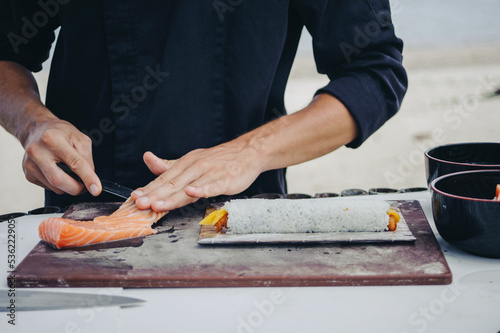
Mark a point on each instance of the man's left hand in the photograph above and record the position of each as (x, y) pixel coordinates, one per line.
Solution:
(224, 169)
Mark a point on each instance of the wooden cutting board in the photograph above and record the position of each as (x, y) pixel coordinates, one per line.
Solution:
(173, 258)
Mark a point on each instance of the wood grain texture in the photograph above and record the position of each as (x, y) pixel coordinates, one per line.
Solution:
(173, 258)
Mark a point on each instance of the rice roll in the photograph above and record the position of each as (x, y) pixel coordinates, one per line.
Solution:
(247, 216)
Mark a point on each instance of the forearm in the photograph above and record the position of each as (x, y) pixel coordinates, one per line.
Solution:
(21, 107)
(318, 129)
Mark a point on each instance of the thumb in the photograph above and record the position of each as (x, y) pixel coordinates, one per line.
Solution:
(156, 164)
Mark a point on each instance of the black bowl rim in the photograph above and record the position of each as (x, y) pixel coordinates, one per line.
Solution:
(433, 185)
(426, 153)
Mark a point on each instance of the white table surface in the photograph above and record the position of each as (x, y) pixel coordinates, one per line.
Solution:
(470, 304)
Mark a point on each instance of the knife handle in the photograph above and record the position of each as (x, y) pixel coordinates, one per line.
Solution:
(70, 172)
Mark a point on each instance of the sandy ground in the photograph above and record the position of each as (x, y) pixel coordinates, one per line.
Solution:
(446, 102)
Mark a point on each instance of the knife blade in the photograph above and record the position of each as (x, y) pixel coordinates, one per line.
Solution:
(107, 186)
(116, 189)
(34, 300)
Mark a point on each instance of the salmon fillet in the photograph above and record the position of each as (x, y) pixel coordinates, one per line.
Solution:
(126, 222)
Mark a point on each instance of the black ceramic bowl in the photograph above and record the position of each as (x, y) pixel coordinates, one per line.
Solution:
(457, 157)
(465, 213)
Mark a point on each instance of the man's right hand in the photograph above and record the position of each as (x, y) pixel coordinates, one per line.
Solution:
(47, 140)
(53, 141)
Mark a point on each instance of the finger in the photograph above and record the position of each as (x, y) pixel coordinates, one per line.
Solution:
(86, 171)
(83, 145)
(56, 178)
(53, 148)
(59, 179)
(206, 190)
(163, 187)
(79, 165)
(194, 192)
(34, 175)
(220, 182)
(175, 201)
(165, 180)
(156, 164)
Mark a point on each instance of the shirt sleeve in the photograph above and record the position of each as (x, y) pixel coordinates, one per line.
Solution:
(355, 45)
(27, 31)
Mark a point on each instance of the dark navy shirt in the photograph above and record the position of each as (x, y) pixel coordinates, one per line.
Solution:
(175, 75)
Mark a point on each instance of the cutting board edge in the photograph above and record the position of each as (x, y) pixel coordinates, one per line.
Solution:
(215, 282)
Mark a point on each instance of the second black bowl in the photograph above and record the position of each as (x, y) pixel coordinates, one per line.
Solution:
(465, 213)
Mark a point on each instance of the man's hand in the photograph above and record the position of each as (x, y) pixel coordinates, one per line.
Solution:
(230, 168)
(224, 169)
(53, 141)
(47, 140)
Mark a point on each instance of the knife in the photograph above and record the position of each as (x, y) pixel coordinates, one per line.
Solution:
(34, 300)
(116, 189)
(107, 186)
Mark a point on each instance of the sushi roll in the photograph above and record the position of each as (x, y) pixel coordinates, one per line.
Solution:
(247, 216)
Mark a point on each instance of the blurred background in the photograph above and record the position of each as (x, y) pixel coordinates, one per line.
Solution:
(452, 55)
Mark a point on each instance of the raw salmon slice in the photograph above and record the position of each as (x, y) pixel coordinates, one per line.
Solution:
(128, 221)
